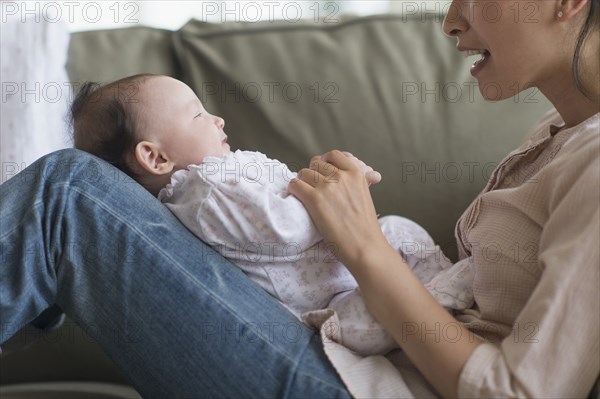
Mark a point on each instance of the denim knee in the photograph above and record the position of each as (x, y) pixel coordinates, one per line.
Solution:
(70, 166)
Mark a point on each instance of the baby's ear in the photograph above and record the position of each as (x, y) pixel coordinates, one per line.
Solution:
(151, 158)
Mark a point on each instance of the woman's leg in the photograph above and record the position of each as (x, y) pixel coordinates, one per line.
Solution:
(175, 317)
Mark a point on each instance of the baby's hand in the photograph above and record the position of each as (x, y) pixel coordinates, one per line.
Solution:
(372, 176)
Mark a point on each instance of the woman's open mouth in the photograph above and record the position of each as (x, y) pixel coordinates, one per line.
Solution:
(480, 63)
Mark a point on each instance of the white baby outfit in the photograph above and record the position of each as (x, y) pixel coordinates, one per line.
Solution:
(239, 204)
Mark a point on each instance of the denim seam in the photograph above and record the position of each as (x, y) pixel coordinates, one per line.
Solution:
(20, 221)
(17, 226)
(181, 270)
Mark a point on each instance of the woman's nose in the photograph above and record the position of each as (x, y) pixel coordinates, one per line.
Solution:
(454, 22)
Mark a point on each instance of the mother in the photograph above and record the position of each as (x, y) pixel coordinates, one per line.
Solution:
(544, 311)
(532, 332)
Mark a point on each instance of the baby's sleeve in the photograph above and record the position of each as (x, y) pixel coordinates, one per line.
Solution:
(185, 197)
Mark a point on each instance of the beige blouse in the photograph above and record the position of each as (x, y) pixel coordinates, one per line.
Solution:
(534, 237)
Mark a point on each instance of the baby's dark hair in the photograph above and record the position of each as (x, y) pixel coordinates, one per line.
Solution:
(105, 121)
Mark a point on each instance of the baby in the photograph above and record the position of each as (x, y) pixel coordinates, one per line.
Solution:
(155, 129)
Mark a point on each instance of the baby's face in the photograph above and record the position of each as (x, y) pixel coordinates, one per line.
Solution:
(175, 119)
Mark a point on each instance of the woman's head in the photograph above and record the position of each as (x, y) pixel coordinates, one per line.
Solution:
(149, 126)
(549, 44)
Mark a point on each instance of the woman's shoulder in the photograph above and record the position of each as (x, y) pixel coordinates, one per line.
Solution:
(575, 170)
(581, 145)
(585, 134)
(552, 125)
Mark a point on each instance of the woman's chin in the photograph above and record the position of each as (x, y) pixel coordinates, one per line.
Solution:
(494, 91)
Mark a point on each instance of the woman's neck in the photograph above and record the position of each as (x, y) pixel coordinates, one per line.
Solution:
(572, 105)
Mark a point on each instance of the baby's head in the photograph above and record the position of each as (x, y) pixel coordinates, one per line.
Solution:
(149, 126)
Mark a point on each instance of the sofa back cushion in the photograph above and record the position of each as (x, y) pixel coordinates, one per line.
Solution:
(111, 54)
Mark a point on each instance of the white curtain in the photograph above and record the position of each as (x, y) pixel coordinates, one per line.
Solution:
(35, 91)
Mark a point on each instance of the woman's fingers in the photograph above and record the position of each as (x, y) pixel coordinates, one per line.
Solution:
(334, 191)
(315, 158)
(339, 159)
(373, 177)
(318, 172)
(301, 190)
(327, 166)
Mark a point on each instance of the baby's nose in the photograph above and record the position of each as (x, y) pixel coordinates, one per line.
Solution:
(220, 122)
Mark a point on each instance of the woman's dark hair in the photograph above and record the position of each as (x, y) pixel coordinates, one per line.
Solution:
(591, 22)
(105, 120)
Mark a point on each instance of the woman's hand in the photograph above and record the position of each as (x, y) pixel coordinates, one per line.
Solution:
(335, 191)
(336, 194)
(372, 176)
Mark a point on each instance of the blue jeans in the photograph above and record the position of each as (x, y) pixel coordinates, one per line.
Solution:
(176, 318)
